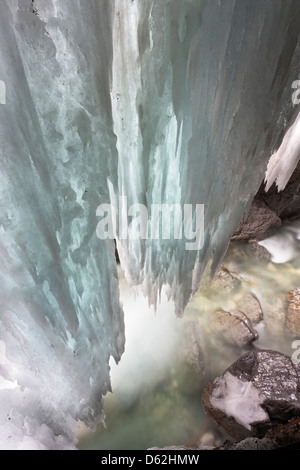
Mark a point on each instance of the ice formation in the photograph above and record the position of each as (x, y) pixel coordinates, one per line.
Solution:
(61, 320)
(178, 102)
(284, 161)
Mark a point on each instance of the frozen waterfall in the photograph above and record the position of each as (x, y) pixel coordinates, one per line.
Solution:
(178, 102)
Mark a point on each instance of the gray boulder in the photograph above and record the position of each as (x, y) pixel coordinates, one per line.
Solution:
(257, 393)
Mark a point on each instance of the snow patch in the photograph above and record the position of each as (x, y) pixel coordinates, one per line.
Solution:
(238, 399)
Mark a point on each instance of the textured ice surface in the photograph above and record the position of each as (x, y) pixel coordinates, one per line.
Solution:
(198, 106)
(170, 102)
(284, 161)
(60, 315)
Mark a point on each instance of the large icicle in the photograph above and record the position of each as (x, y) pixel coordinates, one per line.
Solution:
(284, 161)
(197, 90)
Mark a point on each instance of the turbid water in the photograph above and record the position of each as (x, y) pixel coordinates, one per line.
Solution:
(156, 399)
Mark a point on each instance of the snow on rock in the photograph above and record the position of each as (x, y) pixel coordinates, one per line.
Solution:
(230, 396)
(255, 394)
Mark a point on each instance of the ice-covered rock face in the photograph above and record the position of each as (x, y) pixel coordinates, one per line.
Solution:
(161, 102)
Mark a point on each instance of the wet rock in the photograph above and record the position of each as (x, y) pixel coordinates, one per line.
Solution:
(285, 203)
(282, 437)
(231, 331)
(269, 209)
(260, 223)
(251, 443)
(251, 307)
(233, 328)
(293, 312)
(257, 251)
(224, 282)
(225, 420)
(242, 252)
(257, 393)
(286, 436)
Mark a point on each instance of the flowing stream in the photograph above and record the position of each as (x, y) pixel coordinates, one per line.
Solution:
(156, 399)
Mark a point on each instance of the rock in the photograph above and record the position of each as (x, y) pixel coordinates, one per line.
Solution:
(174, 448)
(224, 282)
(260, 223)
(232, 327)
(258, 251)
(293, 312)
(286, 203)
(257, 393)
(251, 443)
(230, 330)
(251, 307)
(225, 420)
(270, 209)
(242, 252)
(282, 437)
(286, 436)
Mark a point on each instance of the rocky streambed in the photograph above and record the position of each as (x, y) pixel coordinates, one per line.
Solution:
(232, 379)
(251, 351)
